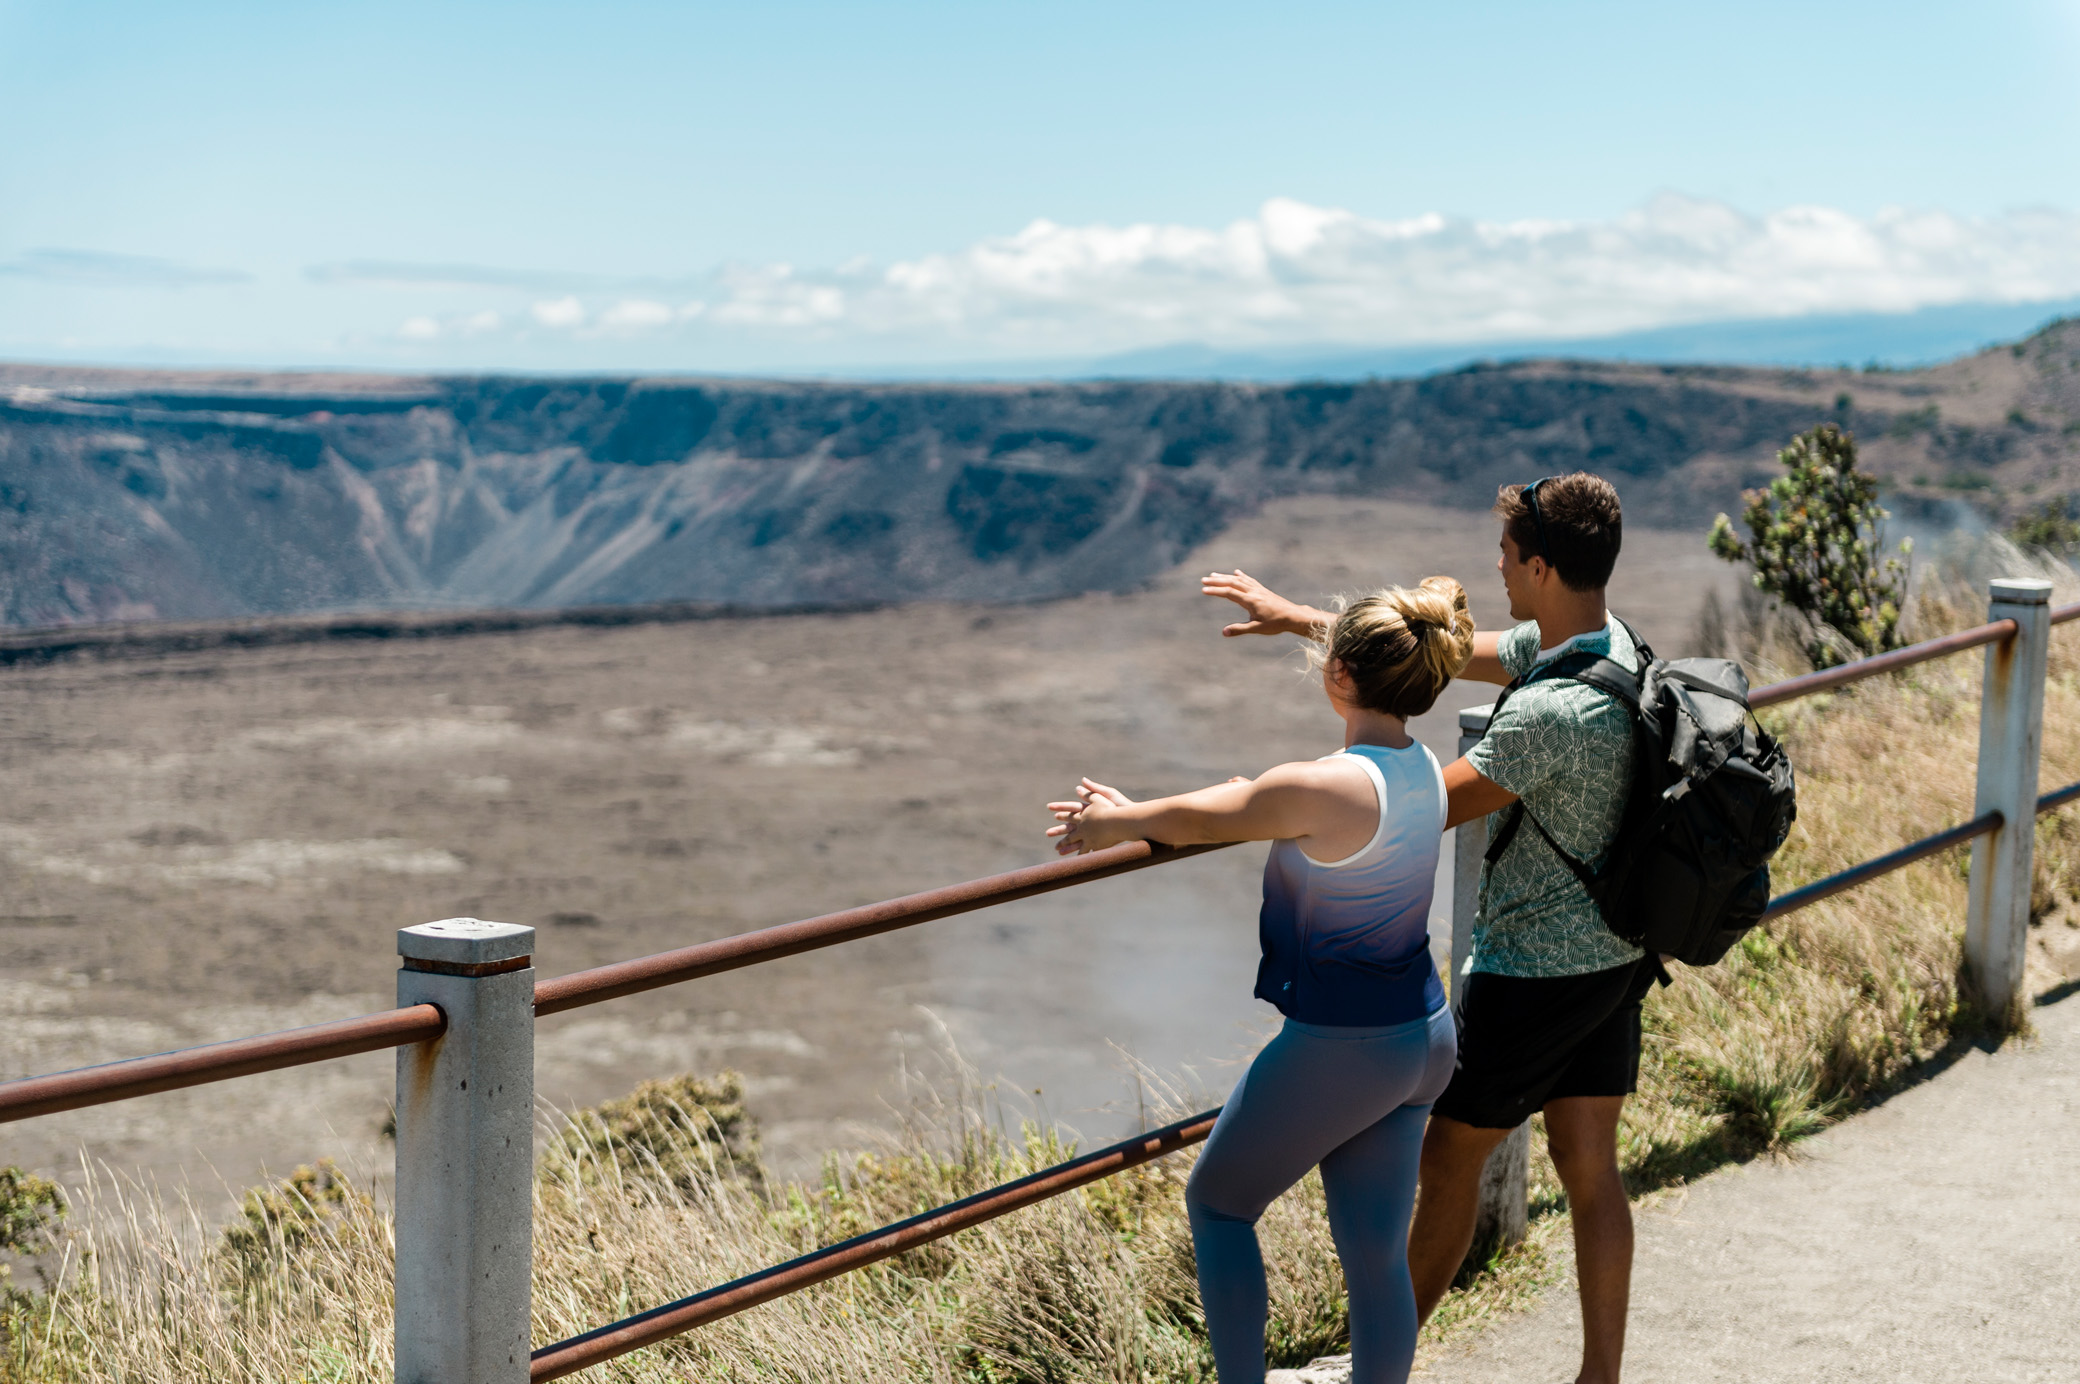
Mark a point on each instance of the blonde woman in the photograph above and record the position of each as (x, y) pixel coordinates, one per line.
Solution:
(1367, 1042)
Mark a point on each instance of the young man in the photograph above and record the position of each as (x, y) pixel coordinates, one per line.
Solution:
(1549, 1014)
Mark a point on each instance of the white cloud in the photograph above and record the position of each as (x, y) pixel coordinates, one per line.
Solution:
(772, 296)
(1292, 274)
(566, 311)
(1296, 273)
(425, 328)
(634, 314)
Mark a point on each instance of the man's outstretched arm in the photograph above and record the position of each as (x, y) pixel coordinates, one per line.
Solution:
(1486, 663)
(1469, 794)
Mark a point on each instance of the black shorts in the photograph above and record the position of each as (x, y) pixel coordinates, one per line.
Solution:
(1526, 1040)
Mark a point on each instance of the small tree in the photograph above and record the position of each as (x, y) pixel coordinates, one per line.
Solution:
(30, 1209)
(2050, 526)
(1814, 538)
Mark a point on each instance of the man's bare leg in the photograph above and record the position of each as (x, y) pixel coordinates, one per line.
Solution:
(1448, 1199)
(1582, 1134)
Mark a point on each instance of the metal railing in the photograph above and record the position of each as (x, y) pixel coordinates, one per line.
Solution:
(648, 1328)
(170, 1071)
(468, 1001)
(1827, 679)
(870, 920)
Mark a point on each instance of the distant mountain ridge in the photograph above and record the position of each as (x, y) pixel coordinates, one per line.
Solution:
(1894, 340)
(182, 495)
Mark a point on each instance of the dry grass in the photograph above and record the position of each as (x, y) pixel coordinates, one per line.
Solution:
(1833, 1004)
(648, 1198)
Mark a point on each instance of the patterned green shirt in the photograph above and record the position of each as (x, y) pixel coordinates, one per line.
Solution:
(1566, 751)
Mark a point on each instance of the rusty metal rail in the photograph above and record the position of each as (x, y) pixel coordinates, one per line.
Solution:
(648, 1328)
(2058, 797)
(789, 939)
(1885, 864)
(1827, 679)
(170, 1071)
(143, 1076)
(1906, 855)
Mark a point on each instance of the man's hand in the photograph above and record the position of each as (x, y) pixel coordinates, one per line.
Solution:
(1269, 612)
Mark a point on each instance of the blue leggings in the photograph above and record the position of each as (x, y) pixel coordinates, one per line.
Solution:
(1353, 1100)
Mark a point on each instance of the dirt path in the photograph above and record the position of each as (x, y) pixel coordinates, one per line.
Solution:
(1933, 1238)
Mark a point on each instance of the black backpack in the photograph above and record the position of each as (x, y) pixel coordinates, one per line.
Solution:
(1712, 798)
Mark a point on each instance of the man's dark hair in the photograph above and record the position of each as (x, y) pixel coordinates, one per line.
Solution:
(1577, 528)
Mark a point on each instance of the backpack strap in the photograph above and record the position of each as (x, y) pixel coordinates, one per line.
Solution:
(1508, 833)
(1591, 670)
(1671, 673)
(1518, 815)
(1608, 677)
(1639, 645)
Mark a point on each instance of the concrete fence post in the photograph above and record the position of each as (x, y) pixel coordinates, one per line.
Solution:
(2011, 732)
(1505, 1212)
(465, 1156)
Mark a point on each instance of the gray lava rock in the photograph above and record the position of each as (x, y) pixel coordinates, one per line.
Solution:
(1327, 1369)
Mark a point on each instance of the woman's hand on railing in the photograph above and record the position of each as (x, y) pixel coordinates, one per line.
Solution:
(1093, 821)
(1217, 815)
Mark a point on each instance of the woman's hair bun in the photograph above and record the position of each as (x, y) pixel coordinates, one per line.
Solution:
(1402, 646)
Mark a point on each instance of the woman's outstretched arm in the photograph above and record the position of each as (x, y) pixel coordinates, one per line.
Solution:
(1271, 613)
(1320, 800)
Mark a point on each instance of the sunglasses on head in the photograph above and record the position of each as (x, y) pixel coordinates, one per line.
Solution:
(1530, 493)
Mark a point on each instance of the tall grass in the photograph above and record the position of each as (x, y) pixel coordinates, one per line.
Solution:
(1834, 1003)
(646, 1199)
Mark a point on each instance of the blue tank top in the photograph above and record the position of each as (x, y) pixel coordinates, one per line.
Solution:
(1348, 943)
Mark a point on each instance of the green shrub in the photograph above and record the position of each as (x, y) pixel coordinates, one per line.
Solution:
(31, 1212)
(30, 1209)
(2050, 526)
(277, 1224)
(1813, 544)
(685, 1129)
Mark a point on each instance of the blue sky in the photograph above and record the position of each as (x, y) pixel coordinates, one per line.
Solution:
(793, 186)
